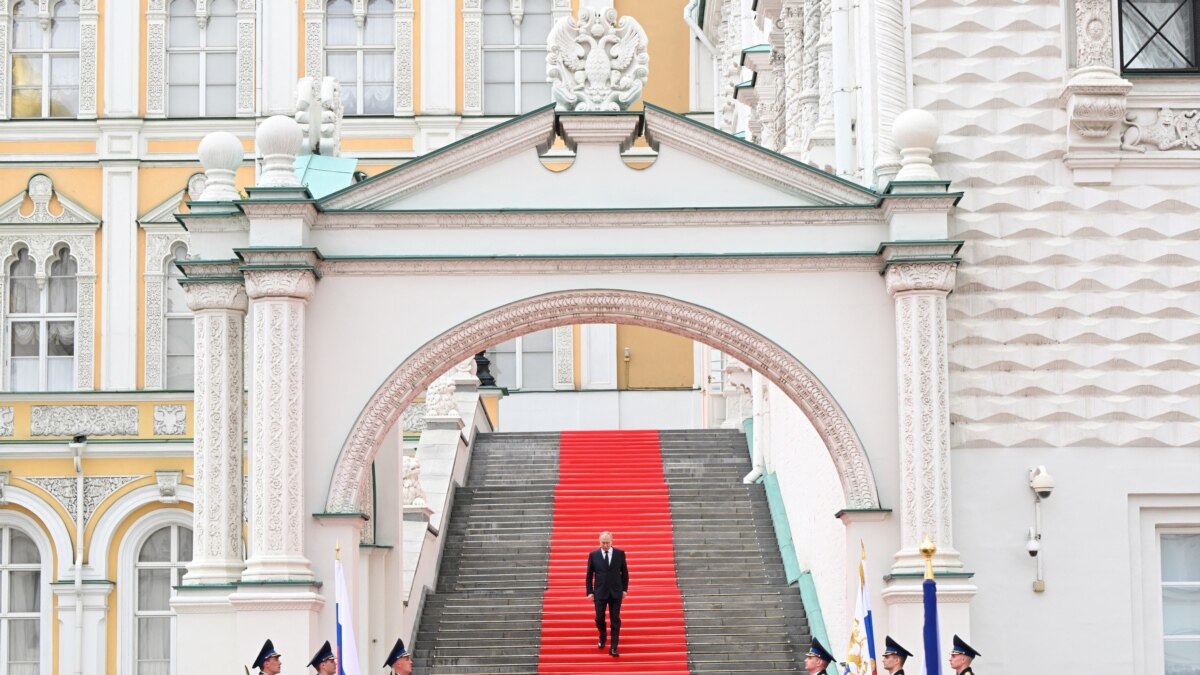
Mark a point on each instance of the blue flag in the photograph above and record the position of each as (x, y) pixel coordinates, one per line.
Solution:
(933, 664)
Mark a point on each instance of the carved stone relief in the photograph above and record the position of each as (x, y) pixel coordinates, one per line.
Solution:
(93, 420)
(1169, 130)
(6, 421)
(472, 16)
(95, 490)
(598, 63)
(564, 357)
(413, 419)
(170, 420)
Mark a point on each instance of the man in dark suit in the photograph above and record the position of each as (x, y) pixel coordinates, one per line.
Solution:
(607, 585)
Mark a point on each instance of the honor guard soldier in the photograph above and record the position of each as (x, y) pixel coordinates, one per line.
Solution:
(894, 656)
(267, 662)
(817, 659)
(324, 660)
(961, 657)
(400, 660)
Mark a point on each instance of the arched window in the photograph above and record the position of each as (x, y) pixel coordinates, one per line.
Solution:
(361, 57)
(161, 563)
(514, 56)
(178, 318)
(201, 60)
(45, 60)
(41, 323)
(20, 603)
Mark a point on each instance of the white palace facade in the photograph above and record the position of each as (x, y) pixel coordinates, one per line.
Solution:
(940, 259)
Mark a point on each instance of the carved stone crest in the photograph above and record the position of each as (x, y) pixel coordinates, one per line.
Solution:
(597, 63)
(1173, 129)
(414, 494)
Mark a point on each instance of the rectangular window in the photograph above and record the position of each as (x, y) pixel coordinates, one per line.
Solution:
(1180, 553)
(514, 56)
(1159, 36)
(525, 363)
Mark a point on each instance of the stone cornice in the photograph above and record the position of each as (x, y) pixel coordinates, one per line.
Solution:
(731, 264)
(584, 219)
(280, 283)
(752, 161)
(535, 129)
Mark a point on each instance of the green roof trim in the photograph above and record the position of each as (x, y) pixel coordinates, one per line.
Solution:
(604, 256)
(866, 191)
(756, 49)
(440, 151)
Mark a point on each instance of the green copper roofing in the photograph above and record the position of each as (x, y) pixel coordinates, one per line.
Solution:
(325, 175)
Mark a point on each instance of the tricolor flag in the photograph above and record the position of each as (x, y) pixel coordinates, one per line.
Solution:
(347, 647)
(933, 665)
(860, 655)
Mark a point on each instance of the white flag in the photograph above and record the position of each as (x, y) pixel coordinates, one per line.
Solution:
(347, 646)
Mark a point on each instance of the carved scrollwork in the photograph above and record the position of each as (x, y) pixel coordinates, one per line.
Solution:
(215, 295)
(294, 283)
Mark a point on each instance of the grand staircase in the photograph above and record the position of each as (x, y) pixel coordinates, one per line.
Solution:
(486, 614)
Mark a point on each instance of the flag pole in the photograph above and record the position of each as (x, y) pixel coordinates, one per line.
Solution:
(932, 648)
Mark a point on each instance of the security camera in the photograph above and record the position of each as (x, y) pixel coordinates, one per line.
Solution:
(1033, 546)
(1041, 483)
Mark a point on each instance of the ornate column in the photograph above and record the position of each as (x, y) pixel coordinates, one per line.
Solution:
(823, 133)
(920, 290)
(793, 62)
(219, 309)
(277, 306)
(891, 82)
(810, 93)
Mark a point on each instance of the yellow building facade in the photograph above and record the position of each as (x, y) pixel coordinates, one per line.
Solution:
(103, 104)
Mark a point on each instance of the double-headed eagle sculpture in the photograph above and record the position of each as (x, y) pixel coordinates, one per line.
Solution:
(597, 63)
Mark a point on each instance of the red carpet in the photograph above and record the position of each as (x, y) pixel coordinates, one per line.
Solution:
(612, 480)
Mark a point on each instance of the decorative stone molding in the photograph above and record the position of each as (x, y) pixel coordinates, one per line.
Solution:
(414, 494)
(793, 74)
(170, 420)
(366, 533)
(4, 477)
(728, 63)
(472, 57)
(402, 32)
(168, 486)
(1094, 96)
(597, 63)
(891, 82)
(89, 55)
(6, 421)
(601, 306)
(219, 310)
(564, 358)
(159, 247)
(93, 420)
(95, 490)
(558, 266)
(920, 291)
(156, 56)
(5, 22)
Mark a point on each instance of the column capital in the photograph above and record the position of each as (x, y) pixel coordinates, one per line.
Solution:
(202, 295)
(296, 283)
(924, 276)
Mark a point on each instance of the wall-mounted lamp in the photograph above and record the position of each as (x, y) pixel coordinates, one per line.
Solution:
(1042, 484)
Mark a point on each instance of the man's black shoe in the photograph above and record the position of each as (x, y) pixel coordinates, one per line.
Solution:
(613, 652)
(600, 644)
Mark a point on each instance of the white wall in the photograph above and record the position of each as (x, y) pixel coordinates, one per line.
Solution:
(581, 410)
(811, 494)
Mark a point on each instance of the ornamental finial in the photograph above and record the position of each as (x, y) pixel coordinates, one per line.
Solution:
(597, 62)
(928, 548)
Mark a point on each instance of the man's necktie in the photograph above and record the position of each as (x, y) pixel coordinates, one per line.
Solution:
(606, 558)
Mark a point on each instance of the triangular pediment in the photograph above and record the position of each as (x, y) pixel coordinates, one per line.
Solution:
(48, 206)
(682, 164)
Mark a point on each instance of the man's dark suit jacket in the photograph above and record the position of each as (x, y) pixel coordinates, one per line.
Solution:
(605, 581)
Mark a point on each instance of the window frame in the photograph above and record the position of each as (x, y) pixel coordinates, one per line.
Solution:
(403, 61)
(47, 52)
(518, 351)
(516, 11)
(12, 520)
(360, 51)
(1120, 46)
(177, 569)
(127, 561)
(201, 51)
(1164, 585)
(43, 318)
(168, 317)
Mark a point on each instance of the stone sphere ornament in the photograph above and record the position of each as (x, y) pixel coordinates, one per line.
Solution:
(915, 132)
(279, 139)
(221, 154)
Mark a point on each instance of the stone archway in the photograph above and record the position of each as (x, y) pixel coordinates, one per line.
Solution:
(601, 306)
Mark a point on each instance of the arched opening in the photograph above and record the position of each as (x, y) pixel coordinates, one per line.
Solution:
(551, 310)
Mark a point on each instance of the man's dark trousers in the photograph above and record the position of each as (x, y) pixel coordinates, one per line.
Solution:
(607, 583)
